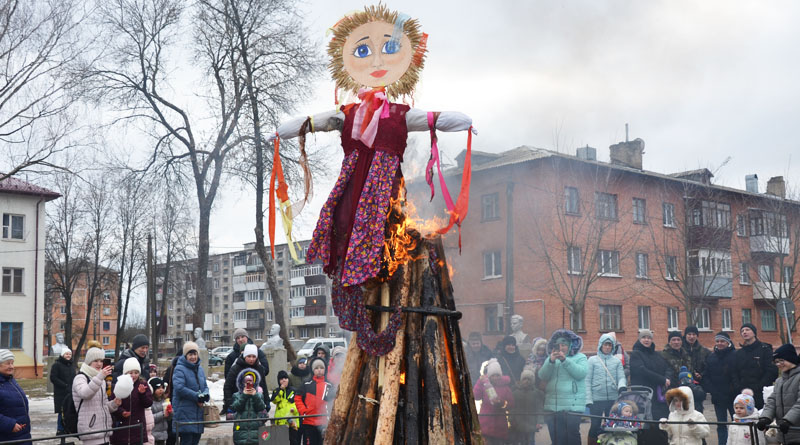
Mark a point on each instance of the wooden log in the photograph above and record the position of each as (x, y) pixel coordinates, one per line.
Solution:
(385, 299)
(392, 365)
(362, 423)
(413, 411)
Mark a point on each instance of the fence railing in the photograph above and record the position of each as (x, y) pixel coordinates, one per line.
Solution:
(63, 437)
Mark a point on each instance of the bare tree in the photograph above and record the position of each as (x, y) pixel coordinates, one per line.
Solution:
(40, 42)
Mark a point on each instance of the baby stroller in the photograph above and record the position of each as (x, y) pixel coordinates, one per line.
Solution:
(633, 404)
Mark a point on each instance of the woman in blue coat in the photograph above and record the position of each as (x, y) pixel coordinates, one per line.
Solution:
(15, 423)
(189, 393)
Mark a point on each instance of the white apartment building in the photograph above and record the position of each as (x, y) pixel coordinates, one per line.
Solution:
(22, 242)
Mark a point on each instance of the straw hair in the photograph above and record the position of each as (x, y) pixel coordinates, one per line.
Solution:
(341, 30)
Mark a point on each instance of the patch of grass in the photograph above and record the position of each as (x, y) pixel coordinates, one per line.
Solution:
(34, 387)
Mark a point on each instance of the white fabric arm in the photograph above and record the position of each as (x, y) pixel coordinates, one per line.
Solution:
(417, 120)
(325, 121)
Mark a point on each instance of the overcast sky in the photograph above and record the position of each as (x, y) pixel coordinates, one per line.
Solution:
(698, 81)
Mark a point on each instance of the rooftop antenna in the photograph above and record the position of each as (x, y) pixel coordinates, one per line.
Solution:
(626, 132)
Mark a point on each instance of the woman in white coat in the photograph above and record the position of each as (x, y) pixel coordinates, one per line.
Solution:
(89, 395)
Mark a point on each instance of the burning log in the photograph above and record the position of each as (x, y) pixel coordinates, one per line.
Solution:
(426, 393)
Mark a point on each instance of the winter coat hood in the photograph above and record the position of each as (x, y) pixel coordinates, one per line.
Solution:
(245, 372)
(607, 337)
(576, 342)
(683, 397)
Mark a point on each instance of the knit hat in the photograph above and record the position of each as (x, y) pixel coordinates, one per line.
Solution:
(131, 364)
(527, 374)
(747, 400)
(673, 334)
(508, 340)
(301, 360)
(156, 383)
(786, 352)
(65, 350)
(475, 336)
(250, 350)
(692, 329)
(751, 326)
(139, 341)
(316, 360)
(282, 375)
(493, 368)
(6, 355)
(684, 376)
(190, 346)
(724, 337)
(94, 354)
(645, 333)
(239, 332)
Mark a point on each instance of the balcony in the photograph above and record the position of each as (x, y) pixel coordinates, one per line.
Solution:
(309, 320)
(240, 305)
(769, 244)
(770, 290)
(714, 287)
(716, 238)
(257, 324)
(255, 285)
(240, 324)
(255, 268)
(297, 301)
(239, 270)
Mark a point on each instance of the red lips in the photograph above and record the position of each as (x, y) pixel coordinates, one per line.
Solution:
(379, 73)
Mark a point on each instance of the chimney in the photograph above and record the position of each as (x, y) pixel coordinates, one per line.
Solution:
(776, 186)
(628, 154)
(586, 153)
(751, 183)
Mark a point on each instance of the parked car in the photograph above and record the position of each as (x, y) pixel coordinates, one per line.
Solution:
(312, 343)
(214, 360)
(222, 351)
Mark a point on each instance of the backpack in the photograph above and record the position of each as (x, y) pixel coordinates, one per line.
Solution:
(69, 414)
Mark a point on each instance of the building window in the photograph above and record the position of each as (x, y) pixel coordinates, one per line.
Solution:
(269, 316)
(106, 311)
(672, 319)
(574, 265)
(605, 206)
(170, 321)
(318, 332)
(258, 335)
(610, 317)
(493, 315)
(641, 265)
(296, 312)
(491, 265)
(747, 315)
(726, 320)
(255, 295)
(710, 214)
(315, 291)
(608, 262)
(490, 208)
(670, 267)
(63, 309)
(216, 282)
(170, 305)
(741, 225)
(644, 317)
(768, 321)
(576, 321)
(63, 325)
(709, 263)
(744, 273)
(106, 325)
(639, 211)
(571, 201)
(106, 340)
(297, 291)
(13, 226)
(668, 217)
(239, 315)
(332, 332)
(12, 280)
(702, 318)
(768, 223)
(788, 275)
(765, 273)
(11, 335)
(303, 332)
(216, 318)
(291, 334)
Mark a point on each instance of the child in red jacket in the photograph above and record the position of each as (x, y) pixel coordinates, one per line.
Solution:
(313, 399)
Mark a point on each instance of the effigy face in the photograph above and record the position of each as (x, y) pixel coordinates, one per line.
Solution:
(374, 55)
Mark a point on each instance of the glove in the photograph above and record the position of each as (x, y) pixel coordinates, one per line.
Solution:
(763, 423)
(204, 397)
(200, 397)
(784, 426)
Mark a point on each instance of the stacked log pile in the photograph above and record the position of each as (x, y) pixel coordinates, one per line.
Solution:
(420, 392)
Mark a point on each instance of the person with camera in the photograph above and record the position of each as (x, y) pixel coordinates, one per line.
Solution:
(189, 394)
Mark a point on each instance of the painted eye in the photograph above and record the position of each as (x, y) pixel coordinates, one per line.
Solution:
(391, 47)
(362, 51)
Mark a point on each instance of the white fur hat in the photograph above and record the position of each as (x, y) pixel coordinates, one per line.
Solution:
(250, 350)
(124, 387)
(131, 364)
(493, 368)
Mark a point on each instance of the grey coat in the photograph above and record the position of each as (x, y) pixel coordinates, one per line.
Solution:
(784, 403)
(160, 422)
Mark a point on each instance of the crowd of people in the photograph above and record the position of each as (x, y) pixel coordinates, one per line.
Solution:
(130, 393)
(556, 384)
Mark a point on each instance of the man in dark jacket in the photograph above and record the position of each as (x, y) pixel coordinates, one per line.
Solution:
(477, 353)
(648, 368)
(718, 381)
(753, 367)
(675, 356)
(138, 350)
(61, 374)
(697, 353)
(241, 340)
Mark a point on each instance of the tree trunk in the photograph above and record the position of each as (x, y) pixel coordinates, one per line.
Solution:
(199, 309)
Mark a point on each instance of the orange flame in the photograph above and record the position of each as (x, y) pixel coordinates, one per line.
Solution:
(403, 378)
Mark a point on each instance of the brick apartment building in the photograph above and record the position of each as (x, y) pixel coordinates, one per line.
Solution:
(103, 313)
(238, 297)
(569, 241)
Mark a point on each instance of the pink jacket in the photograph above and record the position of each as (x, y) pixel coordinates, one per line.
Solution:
(95, 413)
(492, 424)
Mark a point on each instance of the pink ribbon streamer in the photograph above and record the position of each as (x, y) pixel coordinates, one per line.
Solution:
(369, 99)
(448, 201)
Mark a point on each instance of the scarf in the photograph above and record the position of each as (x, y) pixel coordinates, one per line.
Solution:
(88, 370)
(373, 107)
